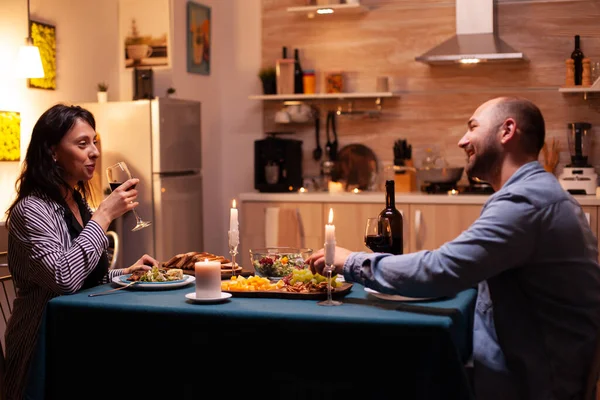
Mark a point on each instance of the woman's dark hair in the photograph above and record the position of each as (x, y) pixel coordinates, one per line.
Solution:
(39, 171)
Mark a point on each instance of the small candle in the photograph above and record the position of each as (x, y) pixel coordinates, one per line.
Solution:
(208, 279)
(233, 217)
(330, 239)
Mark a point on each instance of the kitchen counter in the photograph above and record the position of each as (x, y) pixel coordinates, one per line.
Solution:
(379, 197)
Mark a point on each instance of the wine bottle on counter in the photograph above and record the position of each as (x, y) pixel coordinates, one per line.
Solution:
(577, 57)
(391, 213)
(298, 74)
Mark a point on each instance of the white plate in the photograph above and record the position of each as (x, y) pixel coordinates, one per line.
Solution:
(192, 296)
(394, 297)
(122, 281)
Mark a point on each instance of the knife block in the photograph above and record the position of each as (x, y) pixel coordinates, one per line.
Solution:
(406, 181)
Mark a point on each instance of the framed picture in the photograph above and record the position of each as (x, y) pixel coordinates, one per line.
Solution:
(10, 136)
(198, 38)
(44, 37)
(144, 27)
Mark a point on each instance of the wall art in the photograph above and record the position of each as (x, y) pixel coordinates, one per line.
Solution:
(10, 136)
(44, 37)
(198, 38)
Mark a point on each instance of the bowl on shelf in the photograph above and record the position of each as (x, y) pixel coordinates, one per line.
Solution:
(277, 262)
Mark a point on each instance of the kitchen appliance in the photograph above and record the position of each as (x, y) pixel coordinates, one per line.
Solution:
(579, 177)
(476, 39)
(143, 84)
(160, 140)
(277, 164)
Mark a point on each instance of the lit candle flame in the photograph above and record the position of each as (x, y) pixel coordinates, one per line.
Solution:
(330, 216)
(233, 204)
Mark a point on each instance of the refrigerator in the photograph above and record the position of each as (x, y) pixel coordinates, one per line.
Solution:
(160, 140)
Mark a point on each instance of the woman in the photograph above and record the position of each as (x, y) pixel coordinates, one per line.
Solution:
(56, 245)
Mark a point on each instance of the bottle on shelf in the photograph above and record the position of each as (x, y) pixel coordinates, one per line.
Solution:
(284, 52)
(577, 57)
(391, 213)
(298, 74)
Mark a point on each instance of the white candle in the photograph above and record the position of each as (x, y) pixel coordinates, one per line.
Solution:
(330, 239)
(233, 218)
(234, 236)
(208, 279)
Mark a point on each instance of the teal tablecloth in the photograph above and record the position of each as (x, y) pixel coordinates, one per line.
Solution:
(156, 344)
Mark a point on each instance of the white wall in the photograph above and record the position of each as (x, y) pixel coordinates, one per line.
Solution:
(88, 52)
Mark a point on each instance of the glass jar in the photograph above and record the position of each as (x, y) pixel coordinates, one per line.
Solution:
(309, 81)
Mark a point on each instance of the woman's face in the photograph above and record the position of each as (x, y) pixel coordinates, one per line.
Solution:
(76, 153)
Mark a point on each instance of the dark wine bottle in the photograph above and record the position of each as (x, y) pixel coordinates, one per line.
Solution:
(391, 213)
(577, 56)
(298, 74)
(284, 52)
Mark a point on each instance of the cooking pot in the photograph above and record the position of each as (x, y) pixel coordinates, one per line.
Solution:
(435, 175)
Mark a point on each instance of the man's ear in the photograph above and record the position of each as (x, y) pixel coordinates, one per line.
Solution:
(508, 130)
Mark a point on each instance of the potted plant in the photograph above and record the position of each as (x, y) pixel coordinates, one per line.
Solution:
(102, 92)
(170, 91)
(268, 77)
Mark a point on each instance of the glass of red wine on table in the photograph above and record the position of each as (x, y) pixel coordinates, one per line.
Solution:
(378, 235)
(117, 174)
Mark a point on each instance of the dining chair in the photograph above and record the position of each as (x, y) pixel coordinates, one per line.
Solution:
(591, 388)
(6, 308)
(113, 248)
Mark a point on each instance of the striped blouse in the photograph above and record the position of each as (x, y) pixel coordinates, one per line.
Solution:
(44, 263)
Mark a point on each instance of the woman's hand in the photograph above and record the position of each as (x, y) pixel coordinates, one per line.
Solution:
(317, 260)
(144, 263)
(120, 201)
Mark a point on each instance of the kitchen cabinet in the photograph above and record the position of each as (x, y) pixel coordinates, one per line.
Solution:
(252, 225)
(350, 220)
(435, 224)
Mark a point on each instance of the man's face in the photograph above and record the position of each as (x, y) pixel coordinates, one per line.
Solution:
(482, 144)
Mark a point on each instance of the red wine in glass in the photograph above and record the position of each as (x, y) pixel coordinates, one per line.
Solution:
(114, 185)
(379, 243)
(117, 174)
(378, 235)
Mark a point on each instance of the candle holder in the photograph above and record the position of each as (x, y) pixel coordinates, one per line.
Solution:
(329, 302)
(234, 240)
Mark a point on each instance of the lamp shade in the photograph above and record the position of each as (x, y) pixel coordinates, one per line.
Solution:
(29, 62)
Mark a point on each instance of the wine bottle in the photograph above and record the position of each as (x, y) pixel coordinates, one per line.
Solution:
(391, 213)
(284, 52)
(577, 56)
(298, 74)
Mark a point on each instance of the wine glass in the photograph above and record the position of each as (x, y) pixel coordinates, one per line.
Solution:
(117, 174)
(378, 235)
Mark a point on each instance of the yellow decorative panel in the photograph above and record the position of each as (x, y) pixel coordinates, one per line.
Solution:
(10, 136)
(44, 37)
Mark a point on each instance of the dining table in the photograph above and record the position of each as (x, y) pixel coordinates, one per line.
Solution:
(158, 344)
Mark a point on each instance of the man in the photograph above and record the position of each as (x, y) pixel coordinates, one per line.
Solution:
(532, 254)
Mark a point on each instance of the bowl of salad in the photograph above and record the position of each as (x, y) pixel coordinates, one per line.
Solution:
(277, 262)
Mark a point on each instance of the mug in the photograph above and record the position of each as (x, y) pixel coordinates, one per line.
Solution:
(282, 117)
(299, 113)
(138, 51)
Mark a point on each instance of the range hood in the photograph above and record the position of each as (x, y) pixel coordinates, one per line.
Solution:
(475, 40)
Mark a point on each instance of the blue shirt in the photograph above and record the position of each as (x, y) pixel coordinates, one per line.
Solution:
(535, 261)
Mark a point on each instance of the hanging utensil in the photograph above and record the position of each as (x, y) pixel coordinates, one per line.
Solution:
(318, 151)
(332, 146)
(327, 129)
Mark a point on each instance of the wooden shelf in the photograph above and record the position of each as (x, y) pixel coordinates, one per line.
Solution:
(330, 9)
(280, 97)
(588, 89)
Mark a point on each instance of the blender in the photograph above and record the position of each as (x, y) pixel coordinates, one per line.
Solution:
(579, 177)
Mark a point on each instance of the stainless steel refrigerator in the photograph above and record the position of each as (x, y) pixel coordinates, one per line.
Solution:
(160, 140)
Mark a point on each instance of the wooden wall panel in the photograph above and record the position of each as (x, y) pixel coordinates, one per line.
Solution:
(434, 102)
